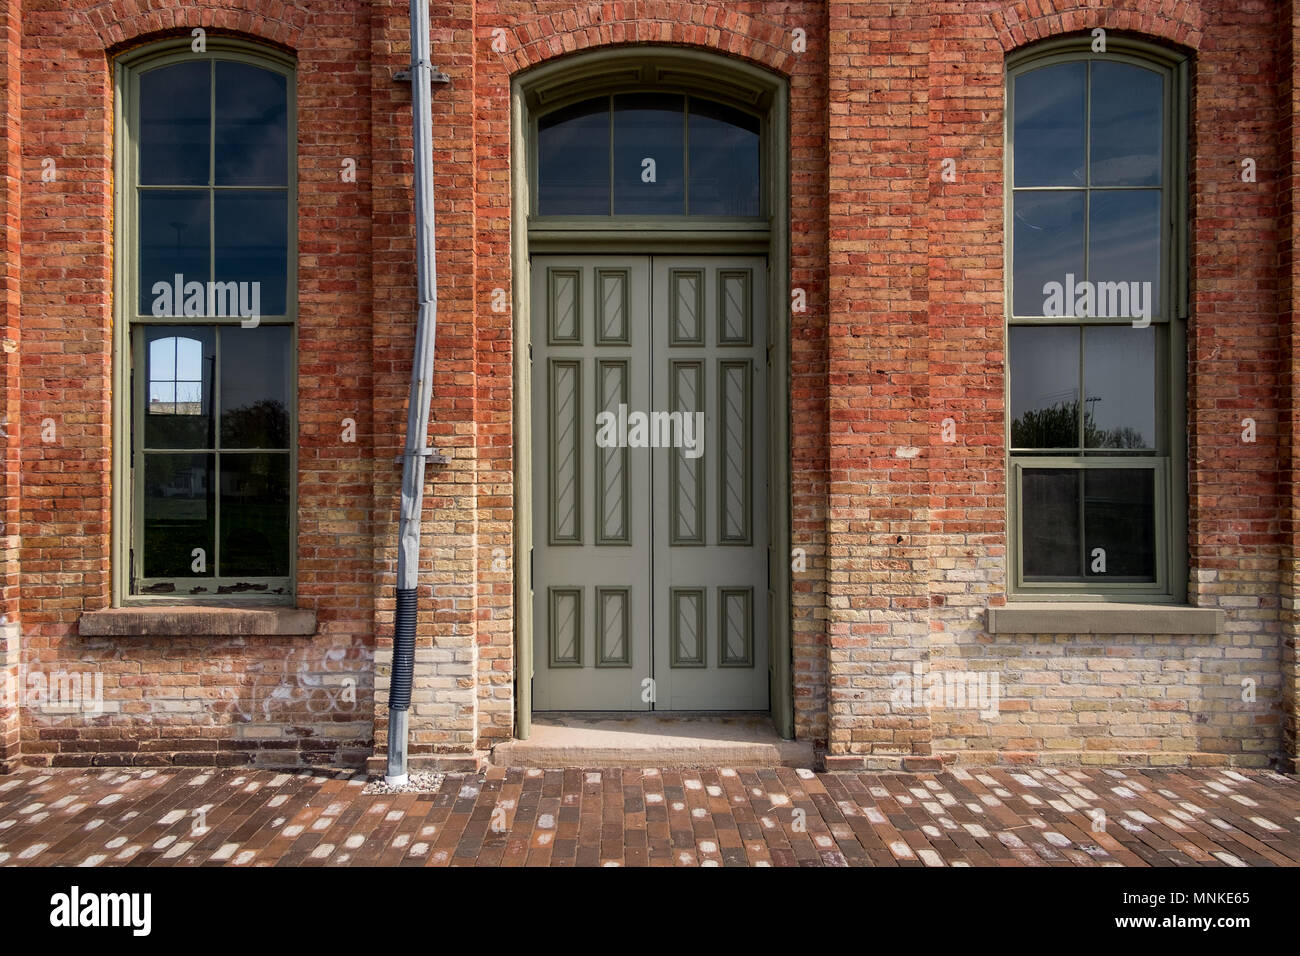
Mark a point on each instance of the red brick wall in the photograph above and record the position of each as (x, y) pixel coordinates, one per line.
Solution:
(195, 700)
(10, 229)
(1288, 128)
(904, 534)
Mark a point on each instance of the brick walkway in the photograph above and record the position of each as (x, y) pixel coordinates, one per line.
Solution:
(661, 818)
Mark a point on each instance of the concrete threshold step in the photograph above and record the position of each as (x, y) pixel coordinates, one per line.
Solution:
(653, 740)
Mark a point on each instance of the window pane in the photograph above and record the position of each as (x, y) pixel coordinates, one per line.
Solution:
(1120, 386)
(1119, 514)
(175, 108)
(179, 363)
(252, 127)
(254, 515)
(1049, 523)
(1047, 246)
(1127, 122)
(1044, 387)
(178, 515)
(252, 235)
(1048, 126)
(1124, 246)
(724, 175)
(649, 126)
(573, 160)
(173, 240)
(255, 387)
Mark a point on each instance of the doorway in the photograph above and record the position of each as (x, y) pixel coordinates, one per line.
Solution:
(658, 175)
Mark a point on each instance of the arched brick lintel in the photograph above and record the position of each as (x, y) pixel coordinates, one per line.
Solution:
(760, 41)
(1015, 26)
(123, 23)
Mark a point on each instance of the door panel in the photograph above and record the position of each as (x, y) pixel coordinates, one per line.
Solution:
(591, 542)
(650, 555)
(710, 511)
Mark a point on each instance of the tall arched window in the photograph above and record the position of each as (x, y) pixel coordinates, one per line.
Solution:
(207, 291)
(1095, 311)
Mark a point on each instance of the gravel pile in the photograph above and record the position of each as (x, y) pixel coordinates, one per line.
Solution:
(415, 783)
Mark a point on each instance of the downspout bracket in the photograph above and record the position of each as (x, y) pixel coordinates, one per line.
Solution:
(435, 457)
(438, 78)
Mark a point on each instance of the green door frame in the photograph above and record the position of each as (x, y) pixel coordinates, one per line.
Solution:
(604, 71)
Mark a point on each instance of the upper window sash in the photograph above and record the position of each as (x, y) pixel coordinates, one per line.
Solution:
(210, 166)
(1091, 174)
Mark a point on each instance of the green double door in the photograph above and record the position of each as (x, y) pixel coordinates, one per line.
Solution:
(650, 484)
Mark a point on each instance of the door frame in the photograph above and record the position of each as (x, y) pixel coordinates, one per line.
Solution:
(607, 70)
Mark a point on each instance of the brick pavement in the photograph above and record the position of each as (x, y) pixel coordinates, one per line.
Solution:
(711, 817)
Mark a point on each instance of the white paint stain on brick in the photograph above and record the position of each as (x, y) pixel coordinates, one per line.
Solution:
(901, 850)
(225, 853)
(35, 850)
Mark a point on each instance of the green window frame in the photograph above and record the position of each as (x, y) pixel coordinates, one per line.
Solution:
(205, 386)
(1095, 385)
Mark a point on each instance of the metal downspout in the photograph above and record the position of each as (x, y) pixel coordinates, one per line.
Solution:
(421, 395)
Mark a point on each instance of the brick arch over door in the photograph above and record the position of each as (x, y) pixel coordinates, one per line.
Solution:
(704, 25)
(1015, 24)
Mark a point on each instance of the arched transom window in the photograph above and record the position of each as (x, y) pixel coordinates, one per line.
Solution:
(649, 154)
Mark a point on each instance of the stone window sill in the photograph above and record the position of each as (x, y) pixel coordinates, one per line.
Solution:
(1078, 618)
(197, 621)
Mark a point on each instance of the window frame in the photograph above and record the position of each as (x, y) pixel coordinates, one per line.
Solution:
(1170, 511)
(639, 71)
(128, 349)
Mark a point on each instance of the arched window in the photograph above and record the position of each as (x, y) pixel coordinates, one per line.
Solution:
(1095, 180)
(648, 154)
(207, 257)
